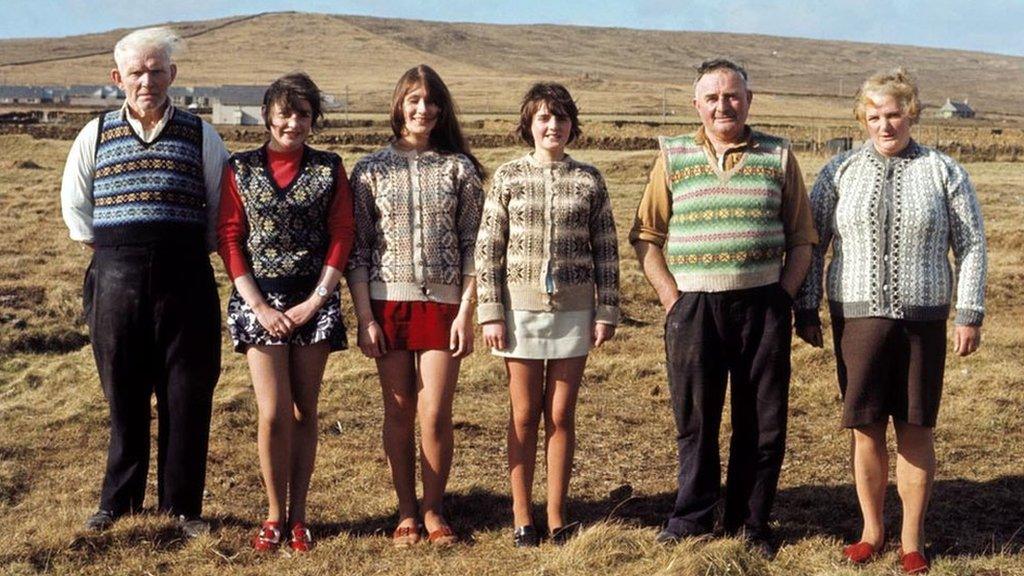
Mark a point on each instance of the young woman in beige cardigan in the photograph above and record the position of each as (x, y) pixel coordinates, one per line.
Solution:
(548, 283)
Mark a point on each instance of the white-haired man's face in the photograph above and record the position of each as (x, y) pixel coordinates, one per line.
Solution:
(145, 75)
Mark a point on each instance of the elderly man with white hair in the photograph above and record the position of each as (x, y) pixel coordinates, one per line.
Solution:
(141, 189)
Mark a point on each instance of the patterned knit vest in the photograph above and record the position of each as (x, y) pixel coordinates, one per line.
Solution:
(149, 192)
(287, 227)
(726, 231)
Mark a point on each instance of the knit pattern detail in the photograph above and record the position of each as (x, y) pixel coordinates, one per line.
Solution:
(891, 223)
(417, 217)
(547, 241)
(726, 231)
(284, 245)
(149, 192)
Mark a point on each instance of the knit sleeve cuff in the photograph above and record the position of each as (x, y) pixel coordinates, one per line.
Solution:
(358, 275)
(490, 312)
(966, 317)
(607, 314)
(806, 318)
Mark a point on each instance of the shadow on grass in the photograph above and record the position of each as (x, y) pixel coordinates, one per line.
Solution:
(965, 517)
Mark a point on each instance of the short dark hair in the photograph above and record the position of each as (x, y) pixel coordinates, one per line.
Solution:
(709, 66)
(559, 102)
(288, 91)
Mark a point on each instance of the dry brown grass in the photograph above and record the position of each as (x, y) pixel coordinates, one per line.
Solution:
(53, 418)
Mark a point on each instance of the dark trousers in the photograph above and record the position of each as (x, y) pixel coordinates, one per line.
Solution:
(742, 336)
(154, 320)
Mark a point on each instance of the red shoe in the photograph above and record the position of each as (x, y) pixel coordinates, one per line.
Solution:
(913, 562)
(268, 538)
(301, 540)
(860, 553)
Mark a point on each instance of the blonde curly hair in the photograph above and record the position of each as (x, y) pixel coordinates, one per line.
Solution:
(897, 83)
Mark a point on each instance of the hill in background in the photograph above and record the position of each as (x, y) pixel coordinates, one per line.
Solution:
(610, 70)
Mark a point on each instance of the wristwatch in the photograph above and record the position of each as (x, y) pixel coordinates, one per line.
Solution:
(321, 291)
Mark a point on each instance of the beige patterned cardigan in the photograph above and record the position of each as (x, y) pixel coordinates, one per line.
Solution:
(547, 241)
(417, 216)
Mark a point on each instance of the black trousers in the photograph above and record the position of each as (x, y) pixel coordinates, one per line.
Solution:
(154, 320)
(742, 336)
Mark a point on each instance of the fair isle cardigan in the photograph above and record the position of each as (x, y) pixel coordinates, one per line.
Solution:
(547, 241)
(891, 223)
(417, 216)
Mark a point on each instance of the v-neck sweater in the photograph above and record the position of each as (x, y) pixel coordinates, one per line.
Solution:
(284, 168)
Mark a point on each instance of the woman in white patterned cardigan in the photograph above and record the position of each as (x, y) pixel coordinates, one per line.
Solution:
(417, 210)
(548, 283)
(892, 210)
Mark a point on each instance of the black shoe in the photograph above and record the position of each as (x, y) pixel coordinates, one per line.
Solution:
(559, 536)
(760, 542)
(192, 527)
(525, 537)
(99, 521)
(671, 537)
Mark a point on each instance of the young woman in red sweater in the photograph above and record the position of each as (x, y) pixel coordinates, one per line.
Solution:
(285, 231)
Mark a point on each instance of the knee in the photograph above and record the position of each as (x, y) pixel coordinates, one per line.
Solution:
(275, 421)
(560, 421)
(436, 422)
(400, 414)
(526, 421)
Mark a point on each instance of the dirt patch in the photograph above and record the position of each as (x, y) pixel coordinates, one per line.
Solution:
(24, 297)
(43, 341)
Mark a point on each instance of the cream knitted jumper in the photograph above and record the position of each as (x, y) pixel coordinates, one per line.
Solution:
(891, 223)
(417, 215)
(547, 241)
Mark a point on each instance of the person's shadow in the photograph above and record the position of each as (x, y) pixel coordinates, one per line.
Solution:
(964, 518)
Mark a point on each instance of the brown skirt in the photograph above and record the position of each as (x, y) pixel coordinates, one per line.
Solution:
(889, 368)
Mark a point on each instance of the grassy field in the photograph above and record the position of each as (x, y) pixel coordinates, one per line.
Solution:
(54, 422)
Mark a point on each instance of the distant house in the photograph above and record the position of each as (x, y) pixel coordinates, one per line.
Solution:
(95, 95)
(25, 95)
(238, 105)
(952, 109)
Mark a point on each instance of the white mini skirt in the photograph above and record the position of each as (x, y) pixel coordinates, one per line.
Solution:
(547, 335)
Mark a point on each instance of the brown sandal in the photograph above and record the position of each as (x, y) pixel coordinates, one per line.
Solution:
(405, 536)
(443, 536)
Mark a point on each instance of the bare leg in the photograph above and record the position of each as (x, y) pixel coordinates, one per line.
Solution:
(307, 373)
(915, 470)
(438, 373)
(560, 394)
(871, 475)
(526, 393)
(398, 385)
(268, 367)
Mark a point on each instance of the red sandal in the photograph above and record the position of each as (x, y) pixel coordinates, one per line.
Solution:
(860, 553)
(913, 562)
(268, 538)
(301, 539)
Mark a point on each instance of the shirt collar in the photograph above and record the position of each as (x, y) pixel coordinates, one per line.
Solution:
(136, 124)
(701, 138)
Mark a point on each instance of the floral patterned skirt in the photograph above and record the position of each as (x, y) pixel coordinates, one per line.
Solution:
(326, 325)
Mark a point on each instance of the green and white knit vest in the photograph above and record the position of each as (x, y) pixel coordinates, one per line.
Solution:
(726, 229)
(288, 236)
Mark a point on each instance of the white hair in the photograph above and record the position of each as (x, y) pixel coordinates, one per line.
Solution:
(159, 38)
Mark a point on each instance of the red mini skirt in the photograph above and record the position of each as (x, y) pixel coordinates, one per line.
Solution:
(415, 325)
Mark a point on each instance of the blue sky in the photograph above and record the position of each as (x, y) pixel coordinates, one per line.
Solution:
(986, 25)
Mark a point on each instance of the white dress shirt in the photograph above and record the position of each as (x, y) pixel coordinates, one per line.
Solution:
(76, 185)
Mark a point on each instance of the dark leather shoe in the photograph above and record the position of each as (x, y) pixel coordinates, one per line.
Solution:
(559, 536)
(192, 527)
(525, 537)
(99, 521)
